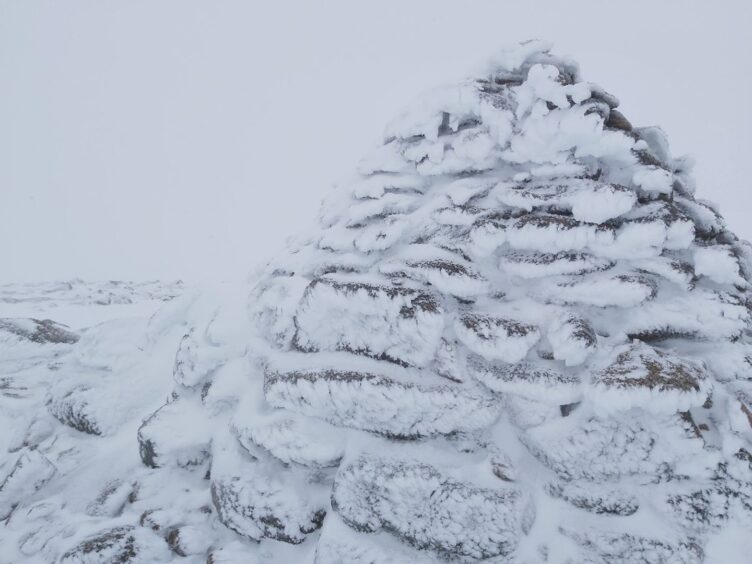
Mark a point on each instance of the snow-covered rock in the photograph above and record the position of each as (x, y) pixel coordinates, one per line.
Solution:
(572, 339)
(641, 376)
(259, 500)
(36, 331)
(607, 546)
(540, 381)
(177, 433)
(430, 511)
(398, 407)
(595, 498)
(397, 323)
(125, 544)
(496, 338)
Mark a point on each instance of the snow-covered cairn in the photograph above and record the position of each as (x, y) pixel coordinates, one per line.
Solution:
(516, 335)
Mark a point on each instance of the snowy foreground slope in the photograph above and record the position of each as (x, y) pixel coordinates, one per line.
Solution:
(79, 303)
(516, 336)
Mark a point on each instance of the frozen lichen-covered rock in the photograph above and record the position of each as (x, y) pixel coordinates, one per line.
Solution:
(595, 498)
(514, 336)
(121, 545)
(25, 342)
(642, 376)
(496, 338)
(36, 331)
(429, 510)
(623, 290)
(587, 200)
(709, 505)
(572, 339)
(396, 323)
(540, 264)
(602, 546)
(534, 380)
(257, 510)
(292, 439)
(189, 540)
(448, 272)
(111, 500)
(399, 407)
(588, 447)
(176, 434)
(72, 407)
(260, 500)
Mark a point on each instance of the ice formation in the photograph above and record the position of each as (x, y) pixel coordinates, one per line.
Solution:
(516, 336)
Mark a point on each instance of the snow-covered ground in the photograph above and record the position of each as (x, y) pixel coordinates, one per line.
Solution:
(81, 304)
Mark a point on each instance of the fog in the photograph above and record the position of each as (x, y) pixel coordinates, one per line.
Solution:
(183, 139)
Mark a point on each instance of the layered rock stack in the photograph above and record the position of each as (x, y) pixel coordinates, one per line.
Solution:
(517, 336)
(516, 333)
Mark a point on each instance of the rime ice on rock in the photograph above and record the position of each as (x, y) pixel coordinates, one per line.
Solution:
(33, 330)
(516, 335)
(429, 510)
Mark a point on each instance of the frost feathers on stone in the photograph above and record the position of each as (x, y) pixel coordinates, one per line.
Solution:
(516, 237)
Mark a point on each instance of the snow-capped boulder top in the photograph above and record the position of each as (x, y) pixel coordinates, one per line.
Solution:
(22, 338)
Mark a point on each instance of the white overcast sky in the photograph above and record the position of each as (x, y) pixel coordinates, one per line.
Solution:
(144, 139)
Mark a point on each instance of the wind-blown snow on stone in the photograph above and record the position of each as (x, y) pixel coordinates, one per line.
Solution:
(515, 336)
